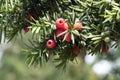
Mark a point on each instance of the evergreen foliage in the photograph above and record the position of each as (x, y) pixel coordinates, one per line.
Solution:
(100, 26)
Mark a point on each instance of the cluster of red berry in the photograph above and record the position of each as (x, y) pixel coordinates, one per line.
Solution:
(63, 32)
(61, 27)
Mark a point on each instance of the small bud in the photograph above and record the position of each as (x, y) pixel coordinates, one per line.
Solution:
(107, 39)
(103, 34)
(83, 43)
(106, 28)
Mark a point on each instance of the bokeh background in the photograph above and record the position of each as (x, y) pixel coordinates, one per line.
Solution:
(90, 67)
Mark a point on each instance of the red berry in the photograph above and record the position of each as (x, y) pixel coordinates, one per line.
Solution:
(59, 23)
(50, 43)
(67, 37)
(59, 31)
(31, 16)
(65, 27)
(78, 25)
(26, 29)
(105, 48)
(76, 50)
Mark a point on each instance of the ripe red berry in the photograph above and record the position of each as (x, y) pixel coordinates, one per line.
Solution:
(67, 37)
(31, 16)
(26, 29)
(105, 48)
(59, 31)
(65, 27)
(78, 25)
(50, 44)
(76, 50)
(59, 23)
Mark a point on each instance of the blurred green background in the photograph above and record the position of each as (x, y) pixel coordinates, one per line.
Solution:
(13, 66)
